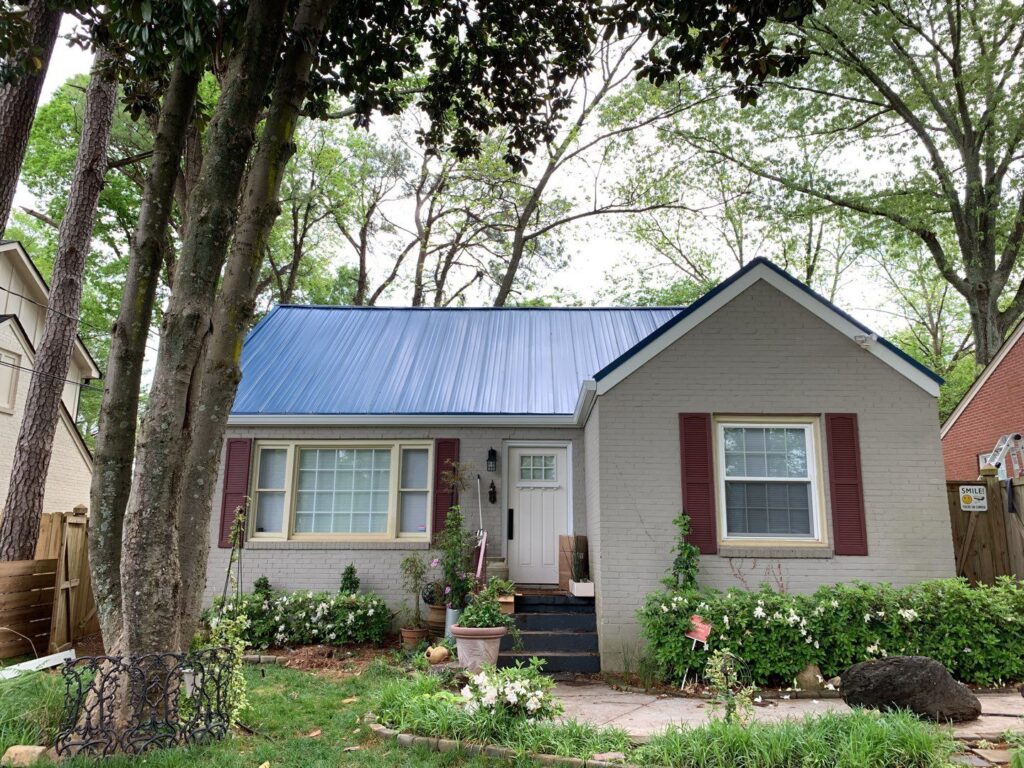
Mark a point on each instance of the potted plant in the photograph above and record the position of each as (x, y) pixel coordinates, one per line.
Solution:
(506, 593)
(433, 595)
(413, 572)
(480, 629)
(456, 548)
(580, 584)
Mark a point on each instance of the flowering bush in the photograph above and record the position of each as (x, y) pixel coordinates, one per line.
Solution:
(301, 618)
(973, 631)
(512, 692)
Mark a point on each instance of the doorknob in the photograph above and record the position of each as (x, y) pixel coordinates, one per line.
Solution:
(511, 525)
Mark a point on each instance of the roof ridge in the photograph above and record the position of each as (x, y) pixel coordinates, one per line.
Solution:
(617, 308)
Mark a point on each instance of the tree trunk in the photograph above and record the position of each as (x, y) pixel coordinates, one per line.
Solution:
(18, 103)
(235, 304)
(150, 569)
(115, 440)
(985, 323)
(19, 527)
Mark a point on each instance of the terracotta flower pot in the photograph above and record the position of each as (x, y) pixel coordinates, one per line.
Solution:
(477, 647)
(413, 636)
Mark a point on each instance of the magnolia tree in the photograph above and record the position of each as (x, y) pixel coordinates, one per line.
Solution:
(471, 68)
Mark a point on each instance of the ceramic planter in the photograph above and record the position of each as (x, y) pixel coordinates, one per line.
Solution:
(451, 616)
(581, 588)
(477, 647)
(412, 637)
(507, 603)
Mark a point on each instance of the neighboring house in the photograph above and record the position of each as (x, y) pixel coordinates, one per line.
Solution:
(804, 448)
(23, 296)
(992, 407)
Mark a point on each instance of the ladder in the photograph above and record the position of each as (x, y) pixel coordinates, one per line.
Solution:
(1008, 445)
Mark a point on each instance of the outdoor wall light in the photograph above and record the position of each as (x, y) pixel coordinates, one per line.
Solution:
(492, 460)
(492, 494)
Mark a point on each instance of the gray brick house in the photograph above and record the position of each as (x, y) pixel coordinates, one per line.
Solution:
(804, 447)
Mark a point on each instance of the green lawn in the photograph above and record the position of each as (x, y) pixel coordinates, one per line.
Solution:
(286, 706)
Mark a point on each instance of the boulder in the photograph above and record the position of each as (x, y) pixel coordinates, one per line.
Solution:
(20, 756)
(810, 679)
(916, 683)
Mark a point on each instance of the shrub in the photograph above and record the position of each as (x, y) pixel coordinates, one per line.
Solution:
(512, 692)
(862, 739)
(302, 618)
(456, 548)
(421, 705)
(349, 580)
(973, 631)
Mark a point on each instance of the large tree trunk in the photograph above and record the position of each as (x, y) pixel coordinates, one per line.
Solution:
(235, 304)
(150, 568)
(19, 527)
(18, 102)
(115, 440)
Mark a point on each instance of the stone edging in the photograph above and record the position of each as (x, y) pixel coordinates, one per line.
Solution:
(253, 658)
(383, 733)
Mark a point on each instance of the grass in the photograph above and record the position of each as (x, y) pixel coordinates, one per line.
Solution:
(286, 708)
(859, 740)
(289, 707)
(29, 709)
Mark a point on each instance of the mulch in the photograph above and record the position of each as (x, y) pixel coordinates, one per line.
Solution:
(333, 661)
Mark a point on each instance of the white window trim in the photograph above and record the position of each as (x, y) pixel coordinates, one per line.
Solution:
(292, 476)
(815, 470)
(9, 404)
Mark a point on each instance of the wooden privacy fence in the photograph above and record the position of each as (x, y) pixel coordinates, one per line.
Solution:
(47, 603)
(989, 542)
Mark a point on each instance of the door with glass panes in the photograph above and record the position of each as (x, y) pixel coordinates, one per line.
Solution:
(538, 500)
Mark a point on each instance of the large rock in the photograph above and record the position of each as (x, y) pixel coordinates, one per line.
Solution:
(22, 756)
(917, 683)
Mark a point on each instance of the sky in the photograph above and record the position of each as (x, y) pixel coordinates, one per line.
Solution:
(593, 250)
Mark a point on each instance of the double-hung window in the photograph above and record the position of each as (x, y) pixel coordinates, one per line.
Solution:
(769, 484)
(342, 491)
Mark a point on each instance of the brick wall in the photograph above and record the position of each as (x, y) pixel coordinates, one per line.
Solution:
(762, 354)
(995, 410)
(318, 565)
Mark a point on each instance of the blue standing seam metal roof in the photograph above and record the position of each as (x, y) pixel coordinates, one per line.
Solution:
(305, 360)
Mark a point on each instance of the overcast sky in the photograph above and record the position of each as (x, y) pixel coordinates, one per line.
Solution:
(593, 251)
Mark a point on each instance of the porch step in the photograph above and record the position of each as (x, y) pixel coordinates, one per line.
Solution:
(556, 622)
(556, 661)
(553, 603)
(559, 628)
(540, 643)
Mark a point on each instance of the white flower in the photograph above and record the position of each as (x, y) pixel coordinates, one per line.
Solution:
(725, 620)
(816, 644)
(664, 608)
(370, 612)
(281, 628)
(467, 692)
(835, 603)
(908, 614)
(759, 611)
(867, 618)
(757, 699)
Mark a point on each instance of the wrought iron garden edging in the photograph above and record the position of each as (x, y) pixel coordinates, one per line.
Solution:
(116, 704)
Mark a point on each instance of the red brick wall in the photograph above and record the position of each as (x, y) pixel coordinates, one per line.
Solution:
(996, 409)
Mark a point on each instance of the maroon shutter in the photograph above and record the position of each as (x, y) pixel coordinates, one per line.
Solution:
(846, 487)
(236, 485)
(446, 451)
(698, 476)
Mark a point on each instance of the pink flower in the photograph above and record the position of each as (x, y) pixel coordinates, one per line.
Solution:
(435, 562)
(447, 590)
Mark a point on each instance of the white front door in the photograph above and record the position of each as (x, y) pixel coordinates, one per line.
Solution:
(538, 500)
